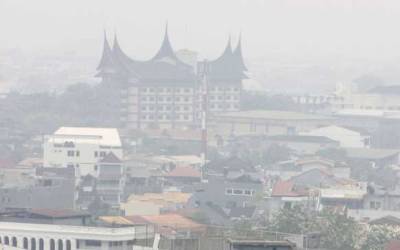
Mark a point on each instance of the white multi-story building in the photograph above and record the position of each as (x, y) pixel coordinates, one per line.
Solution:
(63, 237)
(81, 148)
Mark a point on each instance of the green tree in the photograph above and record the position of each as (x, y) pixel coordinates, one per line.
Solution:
(377, 236)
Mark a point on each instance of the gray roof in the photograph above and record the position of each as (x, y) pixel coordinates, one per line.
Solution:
(371, 153)
(302, 138)
(165, 67)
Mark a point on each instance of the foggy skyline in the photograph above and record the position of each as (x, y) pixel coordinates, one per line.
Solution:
(308, 28)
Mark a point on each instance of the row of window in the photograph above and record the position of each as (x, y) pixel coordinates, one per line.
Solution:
(165, 99)
(187, 99)
(165, 108)
(166, 90)
(236, 191)
(186, 90)
(166, 117)
(31, 244)
(77, 153)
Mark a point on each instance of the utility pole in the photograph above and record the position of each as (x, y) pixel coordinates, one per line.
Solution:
(204, 113)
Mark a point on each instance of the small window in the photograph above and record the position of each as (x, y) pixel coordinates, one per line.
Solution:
(96, 154)
(238, 191)
(70, 153)
(229, 191)
(78, 153)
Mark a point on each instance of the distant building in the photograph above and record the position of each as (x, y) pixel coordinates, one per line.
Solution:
(81, 148)
(266, 122)
(166, 91)
(111, 180)
(348, 138)
(51, 237)
(259, 245)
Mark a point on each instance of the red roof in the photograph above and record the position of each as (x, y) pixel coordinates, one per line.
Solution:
(286, 188)
(184, 172)
(393, 245)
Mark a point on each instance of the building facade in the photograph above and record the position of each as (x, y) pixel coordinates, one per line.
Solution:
(81, 148)
(167, 90)
(64, 237)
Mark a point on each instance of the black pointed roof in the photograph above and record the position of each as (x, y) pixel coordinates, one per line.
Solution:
(237, 54)
(106, 60)
(110, 158)
(165, 50)
(227, 65)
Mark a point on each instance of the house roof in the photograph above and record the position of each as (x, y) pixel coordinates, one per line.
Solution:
(272, 115)
(371, 153)
(174, 221)
(386, 220)
(58, 213)
(393, 245)
(301, 138)
(286, 188)
(110, 158)
(102, 136)
(184, 172)
(161, 198)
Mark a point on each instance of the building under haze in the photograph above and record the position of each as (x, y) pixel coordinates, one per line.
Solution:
(81, 148)
(166, 91)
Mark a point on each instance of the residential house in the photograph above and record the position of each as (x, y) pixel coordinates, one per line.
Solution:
(111, 180)
(379, 157)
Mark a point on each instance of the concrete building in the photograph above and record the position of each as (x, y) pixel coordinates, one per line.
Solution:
(60, 237)
(111, 180)
(81, 148)
(166, 91)
(266, 122)
(347, 138)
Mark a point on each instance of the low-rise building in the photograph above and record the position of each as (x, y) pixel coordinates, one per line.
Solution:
(81, 148)
(52, 237)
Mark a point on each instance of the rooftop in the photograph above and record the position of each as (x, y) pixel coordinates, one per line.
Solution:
(160, 198)
(273, 115)
(184, 172)
(371, 153)
(102, 136)
(83, 232)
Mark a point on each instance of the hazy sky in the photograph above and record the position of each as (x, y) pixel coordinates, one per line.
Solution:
(289, 27)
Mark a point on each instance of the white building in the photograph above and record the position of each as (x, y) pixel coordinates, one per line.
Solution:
(347, 138)
(81, 147)
(62, 237)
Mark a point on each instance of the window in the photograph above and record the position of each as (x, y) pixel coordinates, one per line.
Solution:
(144, 108)
(70, 153)
(60, 245)
(52, 244)
(78, 153)
(238, 191)
(41, 244)
(152, 99)
(187, 99)
(102, 153)
(96, 154)
(186, 108)
(152, 90)
(248, 192)
(93, 243)
(187, 90)
(33, 244)
(229, 191)
(14, 241)
(143, 98)
(375, 205)
(161, 99)
(25, 243)
(186, 117)
(177, 99)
